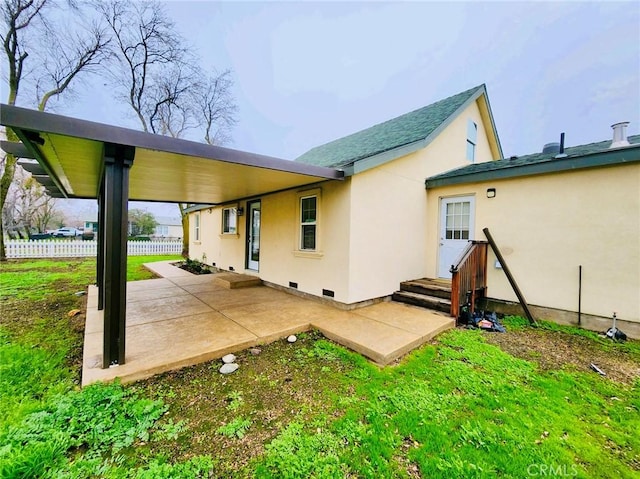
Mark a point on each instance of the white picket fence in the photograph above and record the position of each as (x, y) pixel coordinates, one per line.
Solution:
(78, 248)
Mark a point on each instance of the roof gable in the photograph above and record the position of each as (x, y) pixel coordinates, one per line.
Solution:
(581, 156)
(395, 134)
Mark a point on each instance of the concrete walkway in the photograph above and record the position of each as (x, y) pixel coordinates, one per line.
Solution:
(184, 319)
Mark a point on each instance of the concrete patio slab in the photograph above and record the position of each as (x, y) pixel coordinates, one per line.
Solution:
(161, 309)
(193, 279)
(147, 284)
(378, 341)
(201, 337)
(410, 318)
(182, 320)
(230, 298)
(155, 293)
(269, 325)
(202, 287)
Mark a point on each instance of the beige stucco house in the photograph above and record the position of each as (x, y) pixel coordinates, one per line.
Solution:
(416, 189)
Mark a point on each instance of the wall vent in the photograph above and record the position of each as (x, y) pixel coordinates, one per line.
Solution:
(328, 292)
(293, 285)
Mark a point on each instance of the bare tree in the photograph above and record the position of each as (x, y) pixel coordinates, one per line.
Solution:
(163, 85)
(33, 207)
(17, 15)
(216, 107)
(27, 206)
(146, 44)
(24, 21)
(64, 55)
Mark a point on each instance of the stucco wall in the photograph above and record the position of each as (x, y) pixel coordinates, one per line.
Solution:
(372, 226)
(548, 225)
(281, 261)
(389, 216)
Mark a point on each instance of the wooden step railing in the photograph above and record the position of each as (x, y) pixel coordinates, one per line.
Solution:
(469, 276)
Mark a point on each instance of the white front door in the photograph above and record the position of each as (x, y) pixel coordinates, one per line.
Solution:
(253, 235)
(456, 229)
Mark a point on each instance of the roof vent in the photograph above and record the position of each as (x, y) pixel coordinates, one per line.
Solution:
(619, 134)
(551, 148)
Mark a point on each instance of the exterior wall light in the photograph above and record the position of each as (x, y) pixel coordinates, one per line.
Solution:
(240, 211)
(491, 193)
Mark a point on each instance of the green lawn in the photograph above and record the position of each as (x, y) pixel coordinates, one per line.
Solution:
(458, 408)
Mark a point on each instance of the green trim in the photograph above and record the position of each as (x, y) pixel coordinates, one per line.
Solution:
(626, 155)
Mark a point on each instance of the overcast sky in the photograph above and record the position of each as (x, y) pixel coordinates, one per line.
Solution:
(307, 73)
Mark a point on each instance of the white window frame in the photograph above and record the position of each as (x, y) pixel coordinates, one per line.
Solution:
(472, 140)
(196, 227)
(313, 223)
(226, 228)
(298, 250)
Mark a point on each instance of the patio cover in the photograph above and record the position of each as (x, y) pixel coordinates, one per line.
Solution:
(82, 159)
(70, 151)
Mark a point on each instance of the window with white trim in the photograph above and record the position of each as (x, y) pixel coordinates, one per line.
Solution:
(229, 221)
(196, 227)
(472, 139)
(308, 222)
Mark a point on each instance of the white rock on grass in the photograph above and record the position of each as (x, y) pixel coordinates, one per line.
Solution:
(228, 368)
(229, 358)
(292, 338)
(255, 351)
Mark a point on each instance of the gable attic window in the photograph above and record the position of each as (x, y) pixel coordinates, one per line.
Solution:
(472, 139)
(229, 221)
(196, 227)
(308, 222)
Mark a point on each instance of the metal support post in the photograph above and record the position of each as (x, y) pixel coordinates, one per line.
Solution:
(117, 161)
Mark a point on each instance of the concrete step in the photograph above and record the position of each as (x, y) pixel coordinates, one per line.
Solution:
(236, 280)
(423, 300)
(427, 287)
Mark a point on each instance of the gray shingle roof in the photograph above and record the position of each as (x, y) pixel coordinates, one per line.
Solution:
(536, 162)
(403, 130)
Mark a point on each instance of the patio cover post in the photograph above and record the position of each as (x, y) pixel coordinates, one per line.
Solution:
(117, 162)
(100, 246)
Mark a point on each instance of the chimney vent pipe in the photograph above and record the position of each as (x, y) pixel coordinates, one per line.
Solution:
(619, 134)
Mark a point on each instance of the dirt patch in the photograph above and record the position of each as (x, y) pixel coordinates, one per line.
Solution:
(285, 382)
(558, 350)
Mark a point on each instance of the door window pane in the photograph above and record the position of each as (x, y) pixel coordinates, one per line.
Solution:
(457, 220)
